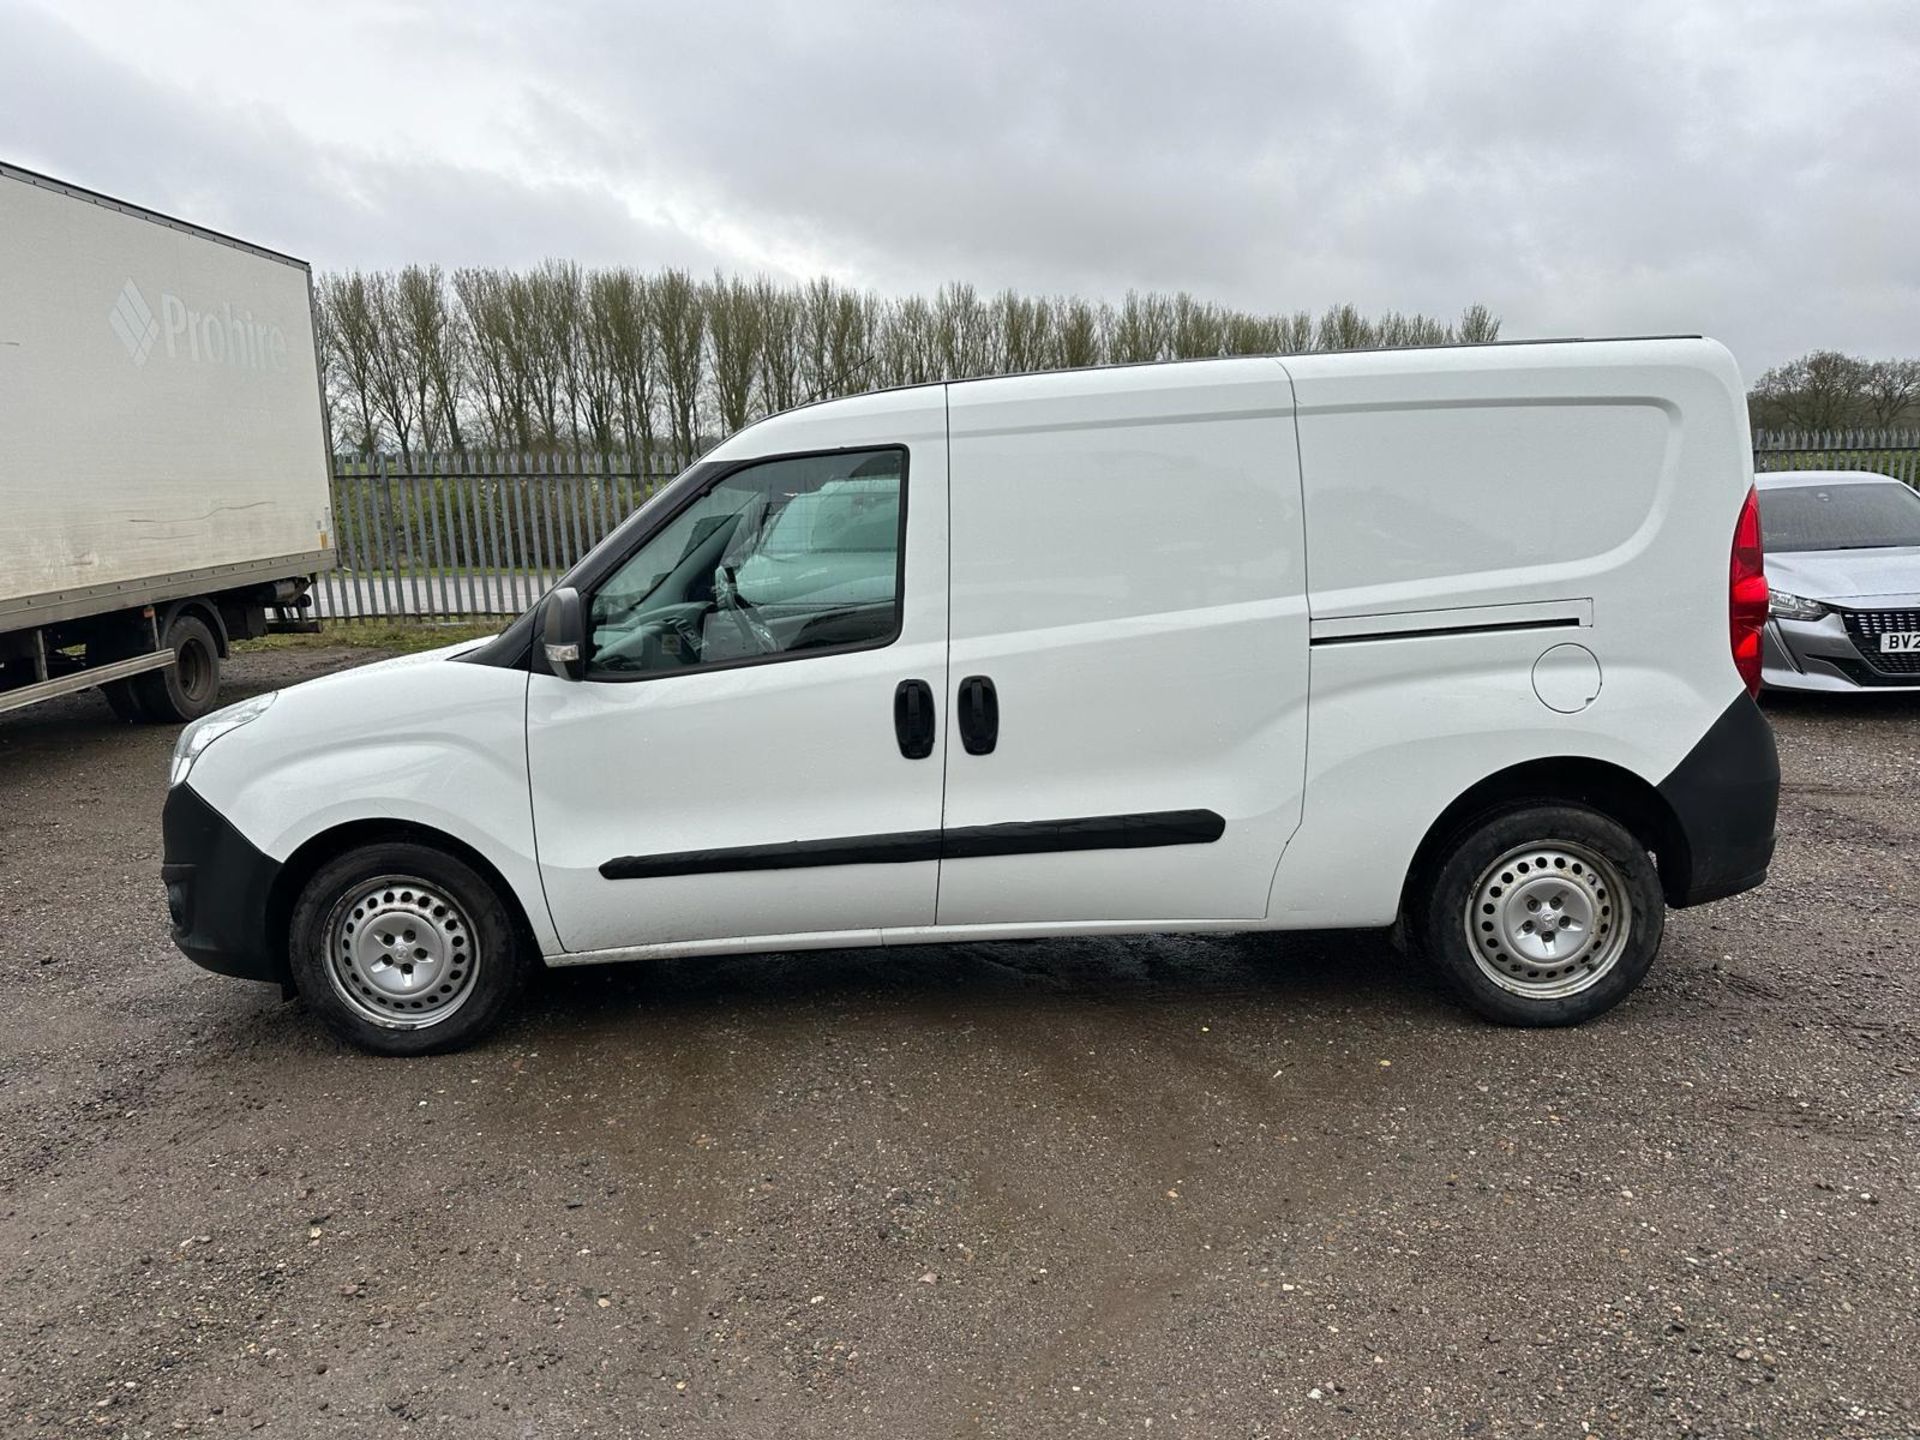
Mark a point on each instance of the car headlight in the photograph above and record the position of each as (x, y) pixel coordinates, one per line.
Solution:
(209, 728)
(1784, 605)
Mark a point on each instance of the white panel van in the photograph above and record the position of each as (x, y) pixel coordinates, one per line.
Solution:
(1460, 640)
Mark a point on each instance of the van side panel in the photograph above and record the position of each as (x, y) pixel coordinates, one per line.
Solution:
(1469, 512)
(1441, 503)
(1129, 571)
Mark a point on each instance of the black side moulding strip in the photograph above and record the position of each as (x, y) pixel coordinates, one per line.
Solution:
(1495, 628)
(1020, 837)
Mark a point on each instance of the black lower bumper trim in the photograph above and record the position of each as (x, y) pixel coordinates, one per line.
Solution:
(218, 887)
(1725, 795)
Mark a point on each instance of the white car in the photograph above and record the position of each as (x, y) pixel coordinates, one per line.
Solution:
(1461, 638)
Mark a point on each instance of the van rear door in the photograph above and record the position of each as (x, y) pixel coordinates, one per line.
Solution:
(1126, 714)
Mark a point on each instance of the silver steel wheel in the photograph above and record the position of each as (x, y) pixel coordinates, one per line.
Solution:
(1549, 920)
(401, 952)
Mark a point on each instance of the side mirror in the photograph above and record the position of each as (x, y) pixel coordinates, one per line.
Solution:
(563, 634)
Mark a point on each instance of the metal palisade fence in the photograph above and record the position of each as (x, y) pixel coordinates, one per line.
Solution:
(1887, 452)
(431, 537)
(435, 537)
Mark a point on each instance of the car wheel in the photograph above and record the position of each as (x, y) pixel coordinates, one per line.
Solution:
(404, 950)
(1542, 914)
(186, 689)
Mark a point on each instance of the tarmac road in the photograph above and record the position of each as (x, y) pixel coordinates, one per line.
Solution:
(1231, 1186)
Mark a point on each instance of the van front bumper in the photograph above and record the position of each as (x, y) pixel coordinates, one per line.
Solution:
(218, 887)
(1724, 795)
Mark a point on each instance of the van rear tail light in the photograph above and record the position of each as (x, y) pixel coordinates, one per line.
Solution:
(1747, 593)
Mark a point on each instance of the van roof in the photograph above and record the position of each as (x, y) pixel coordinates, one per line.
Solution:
(1283, 355)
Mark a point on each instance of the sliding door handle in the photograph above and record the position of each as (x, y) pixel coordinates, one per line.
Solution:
(913, 718)
(979, 715)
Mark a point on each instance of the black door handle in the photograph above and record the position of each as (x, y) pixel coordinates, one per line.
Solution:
(979, 715)
(913, 718)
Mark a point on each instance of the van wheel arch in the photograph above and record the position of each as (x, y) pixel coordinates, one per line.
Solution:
(1571, 780)
(328, 845)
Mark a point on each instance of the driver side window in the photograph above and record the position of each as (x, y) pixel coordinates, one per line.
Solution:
(778, 558)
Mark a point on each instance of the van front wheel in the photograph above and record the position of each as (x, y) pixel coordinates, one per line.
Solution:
(404, 950)
(1542, 914)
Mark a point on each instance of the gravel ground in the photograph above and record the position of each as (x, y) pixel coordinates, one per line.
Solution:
(1187, 1187)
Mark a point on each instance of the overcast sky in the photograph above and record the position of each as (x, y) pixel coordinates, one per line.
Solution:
(1745, 169)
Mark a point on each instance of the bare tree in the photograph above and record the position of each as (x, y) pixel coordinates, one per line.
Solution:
(906, 343)
(546, 308)
(734, 335)
(1296, 333)
(1023, 330)
(682, 324)
(1889, 390)
(353, 333)
(779, 345)
(836, 340)
(622, 333)
(333, 386)
(596, 370)
(559, 355)
(1478, 326)
(1142, 329)
(394, 395)
(432, 341)
(965, 332)
(1345, 328)
(1819, 391)
(1080, 333)
(499, 380)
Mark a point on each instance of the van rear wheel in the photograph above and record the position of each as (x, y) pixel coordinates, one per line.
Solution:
(1542, 914)
(401, 949)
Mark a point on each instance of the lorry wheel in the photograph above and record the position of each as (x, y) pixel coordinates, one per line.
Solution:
(118, 644)
(186, 689)
(402, 949)
(122, 701)
(1541, 914)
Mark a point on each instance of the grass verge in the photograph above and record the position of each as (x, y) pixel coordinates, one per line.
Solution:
(400, 639)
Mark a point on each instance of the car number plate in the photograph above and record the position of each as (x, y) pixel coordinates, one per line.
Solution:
(1900, 642)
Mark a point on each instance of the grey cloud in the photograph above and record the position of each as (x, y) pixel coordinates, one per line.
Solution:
(69, 110)
(1600, 167)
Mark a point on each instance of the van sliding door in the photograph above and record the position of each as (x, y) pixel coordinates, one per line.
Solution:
(1126, 718)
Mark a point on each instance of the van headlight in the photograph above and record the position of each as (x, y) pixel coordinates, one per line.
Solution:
(209, 728)
(1784, 605)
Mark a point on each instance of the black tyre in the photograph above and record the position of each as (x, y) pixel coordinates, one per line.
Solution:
(1540, 914)
(404, 950)
(122, 701)
(119, 643)
(186, 689)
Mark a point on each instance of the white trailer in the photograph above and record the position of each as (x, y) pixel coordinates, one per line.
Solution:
(163, 453)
